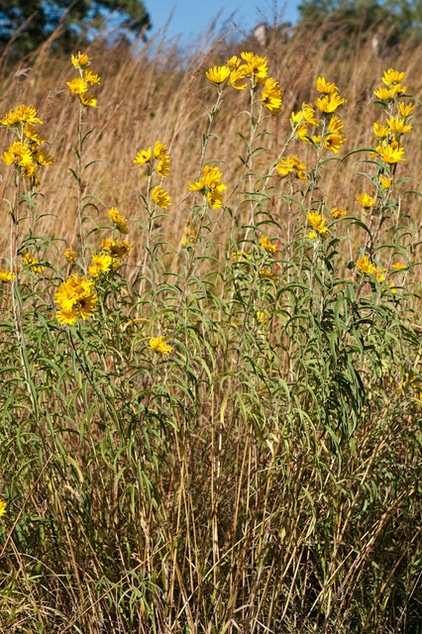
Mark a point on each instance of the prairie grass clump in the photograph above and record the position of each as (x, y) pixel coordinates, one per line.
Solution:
(211, 388)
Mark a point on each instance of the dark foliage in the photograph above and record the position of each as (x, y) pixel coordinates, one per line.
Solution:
(25, 24)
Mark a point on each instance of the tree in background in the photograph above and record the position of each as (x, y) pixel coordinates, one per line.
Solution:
(25, 24)
(397, 18)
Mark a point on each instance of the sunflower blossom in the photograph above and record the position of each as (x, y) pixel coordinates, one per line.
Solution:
(77, 85)
(272, 97)
(364, 265)
(81, 60)
(330, 102)
(6, 276)
(261, 316)
(267, 245)
(70, 255)
(32, 133)
(365, 200)
(238, 76)
(18, 153)
(163, 166)
(218, 74)
(392, 77)
(43, 158)
(160, 197)
(117, 248)
(386, 181)
(160, 149)
(159, 345)
(387, 94)
(210, 186)
(398, 266)
(306, 115)
(118, 219)
(92, 78)
(257, 67)
(381, 131)
(406, 109)
(143, 156)
(234, 62)
(302, 132)
(88, 100)
(334, 142)
(326, 87)
(21, 115)
(291, 165)
(318, 222)
(398, 124)
(338, 213)
(33, 263)
(391, 154)
(76, 299)
(101, 263)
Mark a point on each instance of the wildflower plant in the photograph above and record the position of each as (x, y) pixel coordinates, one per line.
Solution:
(80, 87)
(26, 155)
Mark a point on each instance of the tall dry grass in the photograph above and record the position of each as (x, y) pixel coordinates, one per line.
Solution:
(162, 96)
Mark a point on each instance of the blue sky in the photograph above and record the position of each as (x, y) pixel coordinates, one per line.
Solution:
(192, 17)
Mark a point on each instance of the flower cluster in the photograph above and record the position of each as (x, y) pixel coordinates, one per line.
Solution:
(80, 85)
(249, 66)
(364, 265)
(210, 186)
(26, 153)
(76, 298)
(240, 256)
(32, 262)
(267, 245)
(389, 151)
(119, 220)
(303, 121)
(392, 85)
(116, 248)
(158, 155)
(318, 224)
(113, 251)
(6, 276)
(391, 131)
(291, 165)
(329, 100)
(156, 158)
(70, 255)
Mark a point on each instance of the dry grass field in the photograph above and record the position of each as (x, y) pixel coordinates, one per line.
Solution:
(211, 383)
